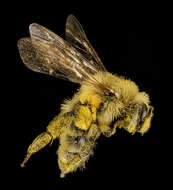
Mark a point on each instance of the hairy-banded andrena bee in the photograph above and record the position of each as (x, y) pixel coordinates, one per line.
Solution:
(103, 102)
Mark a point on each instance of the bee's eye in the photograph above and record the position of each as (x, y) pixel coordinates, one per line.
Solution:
(143, 111)
(142, 115)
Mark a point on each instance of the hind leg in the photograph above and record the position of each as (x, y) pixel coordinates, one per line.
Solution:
(53, 131)
(40, 142)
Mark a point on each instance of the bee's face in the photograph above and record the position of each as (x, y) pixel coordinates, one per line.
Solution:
(144, 118)
(140, 119)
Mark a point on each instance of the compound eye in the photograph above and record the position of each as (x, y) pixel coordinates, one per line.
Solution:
(144, 114)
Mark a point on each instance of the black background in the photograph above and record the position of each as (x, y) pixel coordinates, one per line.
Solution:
(123, 38)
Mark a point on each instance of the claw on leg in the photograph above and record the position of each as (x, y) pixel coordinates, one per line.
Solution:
(25, 160)
(62, 175)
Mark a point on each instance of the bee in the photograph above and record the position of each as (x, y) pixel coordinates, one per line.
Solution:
(103, 103)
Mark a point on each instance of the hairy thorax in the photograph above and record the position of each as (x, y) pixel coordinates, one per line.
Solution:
(112, 105)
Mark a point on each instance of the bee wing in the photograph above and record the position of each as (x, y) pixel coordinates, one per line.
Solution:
(48, 53)
(35, 57)
(77, 37)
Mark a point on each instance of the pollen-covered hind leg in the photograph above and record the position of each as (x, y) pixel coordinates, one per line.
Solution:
(40, 142)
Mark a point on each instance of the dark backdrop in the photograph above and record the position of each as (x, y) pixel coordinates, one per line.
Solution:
(123, 39)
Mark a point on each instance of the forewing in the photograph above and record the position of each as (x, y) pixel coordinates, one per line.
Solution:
(48, 53)
(36, 58)
(77, 37)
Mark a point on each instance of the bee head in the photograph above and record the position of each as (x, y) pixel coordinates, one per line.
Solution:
(144, 118)
(140, 114)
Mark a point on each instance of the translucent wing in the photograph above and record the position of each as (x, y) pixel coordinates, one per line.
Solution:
(36, 57)
(77, 37)
(48, 53)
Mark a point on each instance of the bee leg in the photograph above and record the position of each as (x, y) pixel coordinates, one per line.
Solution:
(107, 131)
(40, 142)
(91, 137)
(93, 133)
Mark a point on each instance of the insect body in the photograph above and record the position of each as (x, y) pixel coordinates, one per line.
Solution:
(103, 102)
